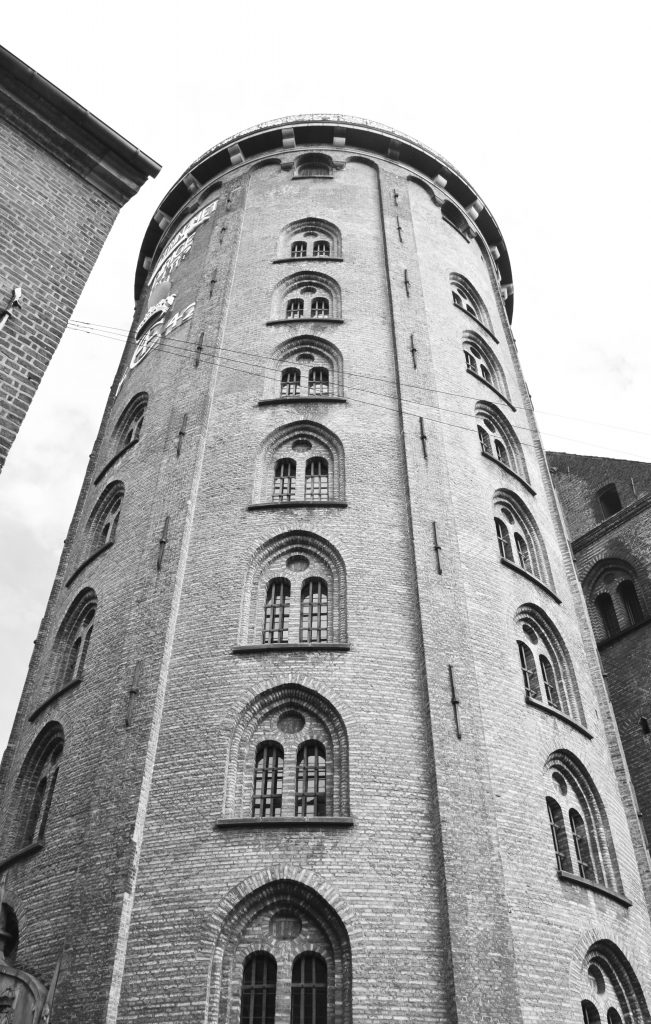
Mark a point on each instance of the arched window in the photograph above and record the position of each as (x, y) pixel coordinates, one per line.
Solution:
(8, 933)
(301, 461)
(258, 1005)
(609, 501)
(39, 809)
(606, 609)
(268, 781)
(576, 810)
(616, 604)
(321, 248)
(318, 381)
(476, 363)
(276, 612)
(313, 165)
(311, 780)
(298, 250)
(310, 238)
(545, 665)
(616, 993)
(630, 602)
(317, 358)
(467, 298)
(305, 565)
(518, 537)
(320, 307)
(504, 540)
(316, 479)
(483, 363)
(129, 426)
(34, 791)
(104, 518)
(294, 309)
(74, 665)
(290, 382)
(498, 439)
(590, 1014)
(306, 295)
(284, 480)
(314, 611)
(309, 990)
(613, 1017)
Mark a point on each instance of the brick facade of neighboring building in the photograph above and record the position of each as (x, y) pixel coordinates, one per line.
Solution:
(64, 176)
(305, 572)
(612, 549)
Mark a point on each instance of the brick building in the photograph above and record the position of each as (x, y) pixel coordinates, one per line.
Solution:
(607, 507)
(315, 728)
(64, 176)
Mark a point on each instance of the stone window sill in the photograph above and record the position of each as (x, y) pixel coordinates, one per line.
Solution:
(567, 876)
(548, 710)
(284, 648)
(310, 259)
(300, 398)
(91, 558)
(492, 387)
(322, 821)
(297, 504)
(511, 472)
(102, 473)
(27, 851)
(532, 579)
(52, 698)
(306, 320)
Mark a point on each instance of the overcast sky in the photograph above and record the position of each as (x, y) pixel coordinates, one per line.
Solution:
(543, 108)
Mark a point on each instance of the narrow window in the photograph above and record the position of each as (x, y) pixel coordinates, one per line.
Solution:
(258, 1004)
(529, 674)
(583, 858)
(456, 298)
(74, 666)
(612, 1017)
(39, 809)
(316, 480)
(320, 307)
(501, 452)
(504, 540)
(471, 362)
(309, 990)
(134, 427)
(549, 682)
(631, 602)
(485, 441)
(607, 613)
(276, 612)
(590, 1014)
(284, 480)
(311, 780)
(559, 837)
(610, 501)
(268, 781)
(290, 382)
(524, 556)
(294, 309)
(109, 524)
(485, 372)
(314, 611)
(321, 248)
(298, 250)
(318, 381)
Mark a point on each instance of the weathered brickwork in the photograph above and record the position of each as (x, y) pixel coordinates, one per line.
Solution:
(428, 886)
(57, 211)
(609, 549)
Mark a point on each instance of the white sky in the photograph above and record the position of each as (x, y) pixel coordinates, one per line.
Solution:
(543, 108)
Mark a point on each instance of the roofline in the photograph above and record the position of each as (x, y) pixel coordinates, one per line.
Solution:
(280, 136)
(82, 140)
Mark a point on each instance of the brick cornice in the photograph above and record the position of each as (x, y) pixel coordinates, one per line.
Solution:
(70, 133)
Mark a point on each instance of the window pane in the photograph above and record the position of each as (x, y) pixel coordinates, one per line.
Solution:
(309, 990)
(504, 540)
(268, 781)
(258, 1004)
(579, 835)
(290, 381)
(529, 674)
(311, 780)
(284, 480)
(549, 681)
(607, 613)
(276, 612)
(314, 611)
(316, 480)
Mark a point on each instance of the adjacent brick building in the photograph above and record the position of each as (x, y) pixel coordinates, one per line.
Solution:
(315, 728)
(64, 175)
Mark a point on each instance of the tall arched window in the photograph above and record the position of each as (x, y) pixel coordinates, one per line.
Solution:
(559, 837)
(630, 602)
(321, 248)
(590, 1013)
(130, 424)
(318, 359)
(290, 382)
(318, 381)
(467, 298)
(294, 309)
(311, 779)
(258, 1004)
(606, 609)
(268, 781)
(546, 669)
(498, 440)
(609, 501)
(316, 479)
(298, 250)
(103, 522)
(73, 666)
(518, 537)
(41, 799)
(284, 480)
(314, 611)
(34, 791)
(617, 605)
(307, 294)
(309, 990)
(320, 307)
(581, 846)
(310, 238)
(276, 612)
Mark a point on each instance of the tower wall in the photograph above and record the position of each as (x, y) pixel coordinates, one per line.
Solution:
(428, 881)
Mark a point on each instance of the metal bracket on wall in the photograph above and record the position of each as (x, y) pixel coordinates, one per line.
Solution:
(454, 701)
(407, 283)
(213, 282)
(179, 440)
(198, 350)
(423, 436)
(395, 196)
(134, 691)
(399, 227)
(437, 550)
(413, 350)
(162, 542)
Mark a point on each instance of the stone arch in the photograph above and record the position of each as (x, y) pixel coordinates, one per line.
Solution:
(538, 632)
(244, 925)
(506, 501)
(263, 715)
(599, 836)
(102, 522)
(306, 287)
(471, 340)
(492, 424)
(304, 353)
(309, 229)
(292, 441)
(313, 556)
(466, 296)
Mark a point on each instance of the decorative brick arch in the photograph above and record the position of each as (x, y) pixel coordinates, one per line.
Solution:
(108, 504)
(507, 501)
(303, 353)
(307, 228)
(76, 626)
(311, 439)
(307, 286)
(472, 340)
(323, 723)
(29, 808)
(492, 421)
(614, 959)
(466, 296)
(327, 926)
(531, 620)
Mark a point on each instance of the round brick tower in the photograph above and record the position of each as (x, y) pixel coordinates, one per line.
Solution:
(315, 731)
